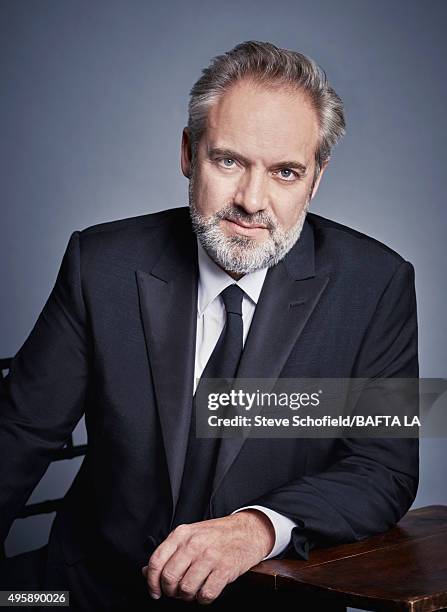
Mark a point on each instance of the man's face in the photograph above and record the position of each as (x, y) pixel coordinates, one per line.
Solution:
(253, 177)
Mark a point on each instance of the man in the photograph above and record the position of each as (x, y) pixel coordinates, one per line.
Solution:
(143, 307)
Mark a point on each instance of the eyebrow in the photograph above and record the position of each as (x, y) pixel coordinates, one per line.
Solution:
(233, 155)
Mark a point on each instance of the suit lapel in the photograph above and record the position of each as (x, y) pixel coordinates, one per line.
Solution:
(168, 306)
(288, 297)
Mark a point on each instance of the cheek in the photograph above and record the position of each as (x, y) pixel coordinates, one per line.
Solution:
(212, 193)
(287, 208)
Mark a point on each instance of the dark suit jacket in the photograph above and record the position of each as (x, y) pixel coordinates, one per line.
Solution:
(116, 340)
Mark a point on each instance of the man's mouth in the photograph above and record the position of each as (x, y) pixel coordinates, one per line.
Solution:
(247, 229)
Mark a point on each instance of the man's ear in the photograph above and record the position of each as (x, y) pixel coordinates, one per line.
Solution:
(186, 153)
(317, 182)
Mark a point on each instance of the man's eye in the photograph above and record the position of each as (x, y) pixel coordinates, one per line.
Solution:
(227, 162)
(287, 174)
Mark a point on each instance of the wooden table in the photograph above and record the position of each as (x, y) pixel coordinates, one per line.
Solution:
(402, 569)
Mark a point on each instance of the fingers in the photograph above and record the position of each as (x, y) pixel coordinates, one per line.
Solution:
(157, 562)
(205, 578)
(212, 588)
(192, 581)
(198, 581)
(172, 576)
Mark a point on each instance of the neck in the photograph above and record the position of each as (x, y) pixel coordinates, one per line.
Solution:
(234, 275)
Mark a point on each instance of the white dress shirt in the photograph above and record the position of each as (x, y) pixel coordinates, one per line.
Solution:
(210, 323)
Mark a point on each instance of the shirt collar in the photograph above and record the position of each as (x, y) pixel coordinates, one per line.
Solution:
(213, 280)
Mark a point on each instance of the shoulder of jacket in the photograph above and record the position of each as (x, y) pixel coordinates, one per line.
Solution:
(150, 220)
(351, 243)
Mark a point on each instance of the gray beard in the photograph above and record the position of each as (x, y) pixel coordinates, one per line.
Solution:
(242, 254)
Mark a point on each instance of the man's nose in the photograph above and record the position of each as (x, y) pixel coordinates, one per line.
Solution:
(251, 191)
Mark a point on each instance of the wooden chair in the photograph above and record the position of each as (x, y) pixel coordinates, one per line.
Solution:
(69, 451)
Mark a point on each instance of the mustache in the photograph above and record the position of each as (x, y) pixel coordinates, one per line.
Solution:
(236, 214)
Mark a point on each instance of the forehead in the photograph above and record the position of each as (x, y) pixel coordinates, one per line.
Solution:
(265, 124)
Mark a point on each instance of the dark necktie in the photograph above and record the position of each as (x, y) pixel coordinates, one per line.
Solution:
(201, 453)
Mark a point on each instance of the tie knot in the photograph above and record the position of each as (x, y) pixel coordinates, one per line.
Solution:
(232, 298)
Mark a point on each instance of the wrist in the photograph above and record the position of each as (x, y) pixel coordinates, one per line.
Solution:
(260, 527)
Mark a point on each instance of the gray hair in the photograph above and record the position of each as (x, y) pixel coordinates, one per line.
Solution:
(270, 66)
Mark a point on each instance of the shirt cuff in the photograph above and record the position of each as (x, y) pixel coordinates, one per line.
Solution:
(282, 525)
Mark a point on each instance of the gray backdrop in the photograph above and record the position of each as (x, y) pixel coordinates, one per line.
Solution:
(93, 102)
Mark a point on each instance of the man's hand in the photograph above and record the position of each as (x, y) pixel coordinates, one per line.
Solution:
(198, 560)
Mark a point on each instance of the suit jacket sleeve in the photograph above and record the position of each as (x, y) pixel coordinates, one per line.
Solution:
(42, 398)
(372, 481)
